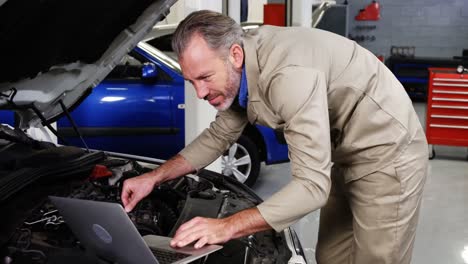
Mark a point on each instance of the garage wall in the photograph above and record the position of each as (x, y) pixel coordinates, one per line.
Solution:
(255, 13)
(183, 8)
(436, 28)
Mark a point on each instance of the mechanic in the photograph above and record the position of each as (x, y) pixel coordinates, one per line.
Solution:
(356, 146)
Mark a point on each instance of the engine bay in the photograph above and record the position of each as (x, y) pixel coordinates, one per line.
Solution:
(42, 235)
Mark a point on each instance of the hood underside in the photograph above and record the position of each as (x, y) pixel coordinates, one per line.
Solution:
(55, 51)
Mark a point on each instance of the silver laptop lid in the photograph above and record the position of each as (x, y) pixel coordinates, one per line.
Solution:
(105, 230)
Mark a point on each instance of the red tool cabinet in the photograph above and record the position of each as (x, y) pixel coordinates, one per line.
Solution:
(447, 108)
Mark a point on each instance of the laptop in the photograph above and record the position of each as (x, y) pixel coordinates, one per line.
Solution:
(107, 232)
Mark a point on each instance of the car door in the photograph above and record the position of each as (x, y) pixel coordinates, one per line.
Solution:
(132, 114)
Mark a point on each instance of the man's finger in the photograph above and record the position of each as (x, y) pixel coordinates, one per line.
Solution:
(179, 236)
(132, 202)
(201, 242)
(125, 196)
(184, 235)
(189, 238)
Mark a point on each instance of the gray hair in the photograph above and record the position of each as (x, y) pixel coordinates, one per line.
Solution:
(219, 31)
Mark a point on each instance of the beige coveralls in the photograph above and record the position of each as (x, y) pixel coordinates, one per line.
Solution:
(356, 147)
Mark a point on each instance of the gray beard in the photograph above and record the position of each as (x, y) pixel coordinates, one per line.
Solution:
(232, 87)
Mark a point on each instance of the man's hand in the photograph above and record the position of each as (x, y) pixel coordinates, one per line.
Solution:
(137, 188)
(205, 230)
(218, 231)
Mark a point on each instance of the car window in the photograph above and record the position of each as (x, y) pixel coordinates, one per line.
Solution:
(162, 43)
(128, 68)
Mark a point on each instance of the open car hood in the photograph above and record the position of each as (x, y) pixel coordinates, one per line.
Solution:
(54, 52)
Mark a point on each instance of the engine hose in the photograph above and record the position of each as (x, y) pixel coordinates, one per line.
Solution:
(170, 217)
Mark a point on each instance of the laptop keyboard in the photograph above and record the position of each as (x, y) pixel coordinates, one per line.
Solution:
(166, 256)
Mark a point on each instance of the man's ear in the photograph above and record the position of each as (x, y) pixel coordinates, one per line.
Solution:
(236, 56)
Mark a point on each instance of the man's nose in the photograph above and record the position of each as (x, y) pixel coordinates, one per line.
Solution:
(202, 91)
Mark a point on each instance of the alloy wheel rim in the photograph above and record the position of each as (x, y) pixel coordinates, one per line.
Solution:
(237, 163)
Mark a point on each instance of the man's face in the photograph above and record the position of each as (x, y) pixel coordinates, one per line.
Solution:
(215, 78)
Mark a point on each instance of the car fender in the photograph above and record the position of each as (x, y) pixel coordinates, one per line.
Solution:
(276, 151)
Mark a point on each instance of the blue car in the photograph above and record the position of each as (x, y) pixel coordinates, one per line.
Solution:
(139, 109)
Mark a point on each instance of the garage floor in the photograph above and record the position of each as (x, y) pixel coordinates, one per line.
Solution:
(442, 235)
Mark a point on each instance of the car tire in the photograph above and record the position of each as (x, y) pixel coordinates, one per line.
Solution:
(242, 161)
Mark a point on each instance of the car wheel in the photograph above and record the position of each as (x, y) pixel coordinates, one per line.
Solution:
(242, 161)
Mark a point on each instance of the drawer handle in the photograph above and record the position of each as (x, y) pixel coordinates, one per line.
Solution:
(448, 116)
(450, 80)
(448, 92)
(451, 84)
(449, 99)
(447, 126)
(449, 107)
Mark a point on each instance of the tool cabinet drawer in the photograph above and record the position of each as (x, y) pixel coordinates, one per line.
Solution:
(447, 107)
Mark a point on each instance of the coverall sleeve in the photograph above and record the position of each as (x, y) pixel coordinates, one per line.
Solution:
(216, 139)
(298, 95)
